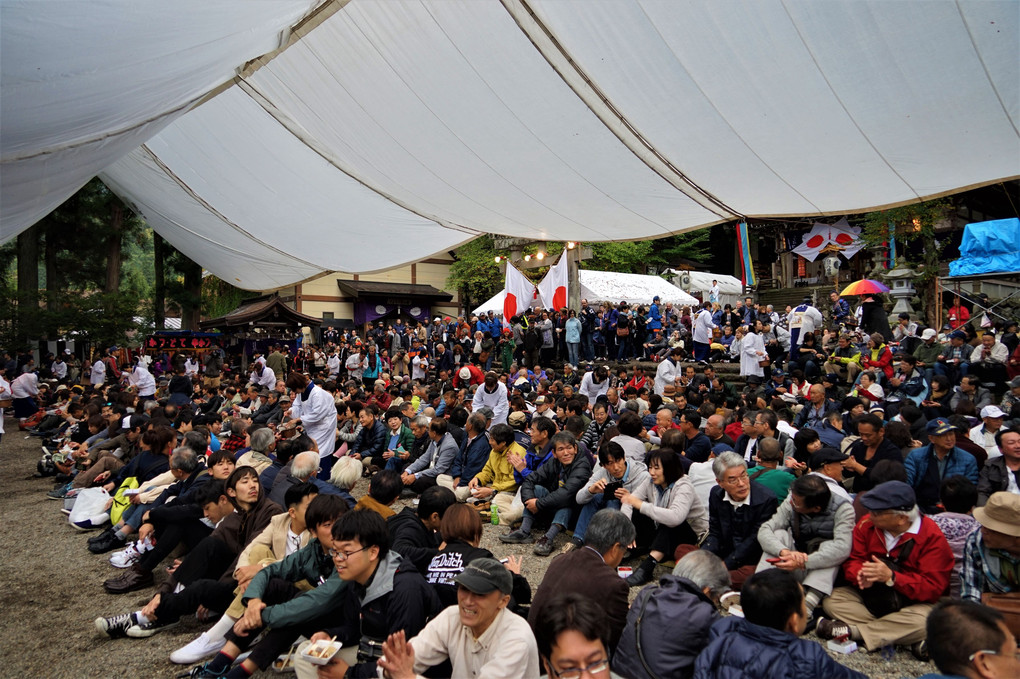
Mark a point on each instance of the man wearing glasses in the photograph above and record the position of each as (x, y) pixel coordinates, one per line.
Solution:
(386, 594)
(973, 641)
(737, 509)
(573, 638)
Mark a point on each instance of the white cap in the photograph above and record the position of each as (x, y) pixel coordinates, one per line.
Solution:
(992, 411)
(928, 334)
(465, 373)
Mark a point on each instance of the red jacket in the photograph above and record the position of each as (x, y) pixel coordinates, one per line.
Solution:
(883, 363)
(923, 577)
(477, 376)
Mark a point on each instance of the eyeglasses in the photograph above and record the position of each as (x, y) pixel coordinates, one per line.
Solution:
(576, 672)
(735, 479)
(343, 556)
(1016, 654)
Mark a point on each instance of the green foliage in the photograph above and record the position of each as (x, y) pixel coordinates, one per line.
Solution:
(912, 225)
(220, 298)
(475, 273)
(637, 256)
(97, 317)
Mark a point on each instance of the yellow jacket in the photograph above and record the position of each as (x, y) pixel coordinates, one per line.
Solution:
(498, 472)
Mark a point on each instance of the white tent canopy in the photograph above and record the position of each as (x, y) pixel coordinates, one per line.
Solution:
(701, 281)
(609, 286)
(387, 130)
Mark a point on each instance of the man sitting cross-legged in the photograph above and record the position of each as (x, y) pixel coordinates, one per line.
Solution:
(551, 489)
(288, 598)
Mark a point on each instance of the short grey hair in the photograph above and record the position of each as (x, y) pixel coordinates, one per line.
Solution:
(421, 421)
(727, 460)
(607, 528)
(261, 439)
(477, 422)
(304, 465)
(704, 569)
(184, 459)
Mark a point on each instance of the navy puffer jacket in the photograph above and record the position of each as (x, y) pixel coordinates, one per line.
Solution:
(741, 650)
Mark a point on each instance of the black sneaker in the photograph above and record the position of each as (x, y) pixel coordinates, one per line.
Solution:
(832, 629)
(543, 547)
(117, 625)
(203, 672)
(517, 537)
(110, 530)
(920, 650)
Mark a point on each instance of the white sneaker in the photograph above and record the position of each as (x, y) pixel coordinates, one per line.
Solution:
(199, 649)
(126, 557)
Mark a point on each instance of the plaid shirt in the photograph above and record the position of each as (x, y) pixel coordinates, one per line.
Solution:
(987, 570)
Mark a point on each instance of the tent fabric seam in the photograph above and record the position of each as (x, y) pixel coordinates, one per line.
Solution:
(984, 68)
(292, 126)
(684, 185)
(219, 215)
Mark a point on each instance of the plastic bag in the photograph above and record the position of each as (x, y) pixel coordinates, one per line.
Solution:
(90, 505)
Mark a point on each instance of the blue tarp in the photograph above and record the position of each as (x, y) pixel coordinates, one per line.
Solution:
(988, 247)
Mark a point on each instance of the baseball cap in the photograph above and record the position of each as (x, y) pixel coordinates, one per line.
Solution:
(541, 400)
(1015, 382)
(939, 426)
(482, 576)
(516, 419)
(889, 495)
(832, 378)
(992, 411)
(929, 333)
(824, 456)
(464, 373)
(958, 334)
(1001, 513)
(655, 299)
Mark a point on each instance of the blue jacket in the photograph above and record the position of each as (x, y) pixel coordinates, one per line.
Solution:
(742, 650)
(654, 317)
(572, 334)
(470, 459)
(371, 441)
(926, 485)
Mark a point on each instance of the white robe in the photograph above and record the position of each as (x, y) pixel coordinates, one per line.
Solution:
(98, 374)
(752, 350)
(318, 415)
(498, 401)
(666, 373)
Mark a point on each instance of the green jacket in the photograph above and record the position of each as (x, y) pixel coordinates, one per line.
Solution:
(928, 354)
(405, 440)
(308, 563)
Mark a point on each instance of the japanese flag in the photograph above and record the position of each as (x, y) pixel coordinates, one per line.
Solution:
(553, 287)
(520, 293)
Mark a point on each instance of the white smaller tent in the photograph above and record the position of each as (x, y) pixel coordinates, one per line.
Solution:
(609, 286)
(730, 288)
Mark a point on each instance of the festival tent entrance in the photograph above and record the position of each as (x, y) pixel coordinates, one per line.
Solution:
(273, 141)
(612, 287)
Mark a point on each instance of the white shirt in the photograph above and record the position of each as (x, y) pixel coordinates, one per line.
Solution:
(318, 415)
(506, 650)
(354, 365)
(891, 540)
(713, 294)
(703, 478)
(59, 369)
(333, 363)
(25, 385)
(143, 380)
(191, 368)
(5, 392)
(986, 440)
(592, 389)
(98, 374)
(666, 373)
(267, 379)
(703, 327)
(419, 365)
(746, 502)
(752, 350)
(497, 400)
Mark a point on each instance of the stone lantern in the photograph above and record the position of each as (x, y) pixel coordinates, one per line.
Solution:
(901, 287)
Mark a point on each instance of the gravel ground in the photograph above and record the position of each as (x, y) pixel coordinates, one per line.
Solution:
(52, 591)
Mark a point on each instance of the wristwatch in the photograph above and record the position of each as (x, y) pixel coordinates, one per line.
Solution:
(891, 581)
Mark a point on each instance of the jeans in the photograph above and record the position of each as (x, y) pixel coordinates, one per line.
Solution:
(588, 346)
(623, 347)
(572, 348)
(587, 511)
(701, 350)
(562, 515)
